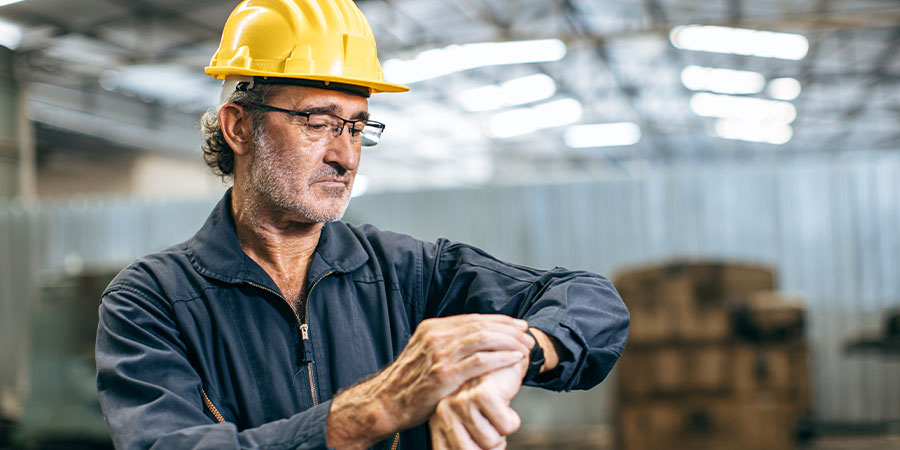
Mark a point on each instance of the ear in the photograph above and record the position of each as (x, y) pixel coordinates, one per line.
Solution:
(237, 127)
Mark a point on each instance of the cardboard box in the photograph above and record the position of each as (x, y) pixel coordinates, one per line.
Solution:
(704, 323)
(659, 308)
(636, 377)
(687, 301)
(645, 426)
(781, 371)
(675, 370)
(707, 424)
(710, 369)
(770, 316)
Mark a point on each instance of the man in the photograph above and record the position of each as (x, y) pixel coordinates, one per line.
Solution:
(277, 326)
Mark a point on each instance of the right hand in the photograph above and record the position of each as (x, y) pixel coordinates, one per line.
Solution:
(478, 415)
(442, 354)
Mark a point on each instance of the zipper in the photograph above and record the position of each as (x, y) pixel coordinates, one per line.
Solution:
(212, 408)
(305, 350)
(304, 340)
(396, 441)
(265, 289)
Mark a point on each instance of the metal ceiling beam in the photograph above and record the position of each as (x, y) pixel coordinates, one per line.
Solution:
(140, 8)
(806, 22)
(622, 86)
(874, 79)
(658, 15)
(60, 30)
(95, 29)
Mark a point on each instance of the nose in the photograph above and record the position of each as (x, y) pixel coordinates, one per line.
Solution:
(342, 151)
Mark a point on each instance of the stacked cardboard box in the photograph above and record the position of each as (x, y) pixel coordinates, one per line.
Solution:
(715, 359)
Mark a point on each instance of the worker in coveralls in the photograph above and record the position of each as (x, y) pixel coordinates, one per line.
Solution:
(278, 326)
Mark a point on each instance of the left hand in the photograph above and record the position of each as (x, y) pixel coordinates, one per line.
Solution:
(478, 415)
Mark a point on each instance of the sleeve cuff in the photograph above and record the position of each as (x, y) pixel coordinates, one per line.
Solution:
(556, 324)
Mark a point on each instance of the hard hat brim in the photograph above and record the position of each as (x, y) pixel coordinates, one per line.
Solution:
(374, 86)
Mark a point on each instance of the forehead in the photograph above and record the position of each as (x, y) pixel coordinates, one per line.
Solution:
(301, 97)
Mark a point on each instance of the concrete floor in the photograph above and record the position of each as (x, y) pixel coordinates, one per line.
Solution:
(891, 442)
(601, 438)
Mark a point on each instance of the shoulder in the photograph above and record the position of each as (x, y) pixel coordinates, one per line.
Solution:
(167, 274)
(388, 239)
(387, 251)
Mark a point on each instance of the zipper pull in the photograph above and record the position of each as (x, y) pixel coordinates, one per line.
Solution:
(304, 349)
(304, 332)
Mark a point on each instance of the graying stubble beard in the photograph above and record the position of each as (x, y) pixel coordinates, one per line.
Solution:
(273, 185)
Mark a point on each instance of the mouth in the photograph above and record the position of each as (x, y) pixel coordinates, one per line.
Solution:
(332, 182)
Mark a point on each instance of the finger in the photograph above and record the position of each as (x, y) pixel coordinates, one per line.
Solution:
(438, 439)
(477, 320)
(476, 334)
(457, 436)
(502, 445)
(501, 416)
(490, 340)
(479, 428)
(493, 318)
(483, 362)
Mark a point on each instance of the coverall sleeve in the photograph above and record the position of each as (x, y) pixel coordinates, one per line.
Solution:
(151, 394)
(581, 310)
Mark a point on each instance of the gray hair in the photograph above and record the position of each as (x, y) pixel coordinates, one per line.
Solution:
(218, 155)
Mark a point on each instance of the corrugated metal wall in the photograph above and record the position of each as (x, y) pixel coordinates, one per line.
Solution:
(831, 229)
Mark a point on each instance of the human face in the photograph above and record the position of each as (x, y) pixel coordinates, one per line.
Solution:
(309, 180)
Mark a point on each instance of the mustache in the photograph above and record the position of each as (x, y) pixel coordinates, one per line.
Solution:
(331, 173)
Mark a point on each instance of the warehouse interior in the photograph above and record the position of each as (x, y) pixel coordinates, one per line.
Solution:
(733, 167)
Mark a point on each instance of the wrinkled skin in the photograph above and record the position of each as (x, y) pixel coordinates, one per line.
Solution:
(442, 355)
(478, 415)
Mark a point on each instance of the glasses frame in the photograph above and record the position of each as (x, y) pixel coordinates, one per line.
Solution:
(339, 131)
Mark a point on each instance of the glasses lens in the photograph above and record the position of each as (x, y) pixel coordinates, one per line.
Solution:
(371, 134)
(319, 125)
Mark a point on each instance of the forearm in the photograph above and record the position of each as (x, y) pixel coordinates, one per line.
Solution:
(359, 417)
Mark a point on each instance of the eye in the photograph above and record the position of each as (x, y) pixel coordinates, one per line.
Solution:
(317, 126)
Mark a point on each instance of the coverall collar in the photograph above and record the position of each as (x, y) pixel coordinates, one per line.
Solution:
(215, 252)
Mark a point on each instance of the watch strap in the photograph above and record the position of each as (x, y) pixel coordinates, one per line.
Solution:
(535, 359)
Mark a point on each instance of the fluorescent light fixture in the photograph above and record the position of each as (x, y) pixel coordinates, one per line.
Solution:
(602, 135)
(731, 107)
(723, 81)
(511, 93)
(739, 41)
(784, 88)
(457, 58)
(754, 131)
(9, 2)
(10, 35)
(521, 121)
(484, 98)
(528, 89)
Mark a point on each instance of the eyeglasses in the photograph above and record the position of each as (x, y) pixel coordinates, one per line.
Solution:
(319, 126)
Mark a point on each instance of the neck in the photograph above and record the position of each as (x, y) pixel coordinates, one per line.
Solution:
(280, 243)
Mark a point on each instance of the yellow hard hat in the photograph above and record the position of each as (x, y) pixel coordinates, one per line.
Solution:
(329, 41)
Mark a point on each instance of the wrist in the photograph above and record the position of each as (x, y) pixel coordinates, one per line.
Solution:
(358, 418)
(548, 347)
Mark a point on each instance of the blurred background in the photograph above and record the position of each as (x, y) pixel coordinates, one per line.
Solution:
(734, 165)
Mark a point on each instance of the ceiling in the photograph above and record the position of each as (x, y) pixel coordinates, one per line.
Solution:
(130, 72)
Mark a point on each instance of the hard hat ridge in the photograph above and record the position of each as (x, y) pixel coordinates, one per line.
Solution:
(328, 41)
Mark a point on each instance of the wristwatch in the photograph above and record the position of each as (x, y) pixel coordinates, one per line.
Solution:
(535, 359)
